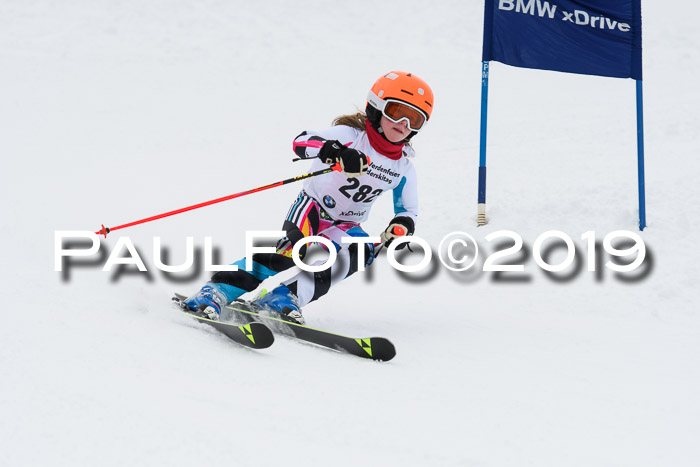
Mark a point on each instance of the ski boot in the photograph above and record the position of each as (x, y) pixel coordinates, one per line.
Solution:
(208, 302)
(282, 301)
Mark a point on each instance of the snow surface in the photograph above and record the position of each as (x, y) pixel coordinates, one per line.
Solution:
(112, 111)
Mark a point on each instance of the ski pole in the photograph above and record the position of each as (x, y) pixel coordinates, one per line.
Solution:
(335, 168)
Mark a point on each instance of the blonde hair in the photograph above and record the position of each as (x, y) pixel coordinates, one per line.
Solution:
(356, 120)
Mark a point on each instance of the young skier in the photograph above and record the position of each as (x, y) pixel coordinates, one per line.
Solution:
(372, 150)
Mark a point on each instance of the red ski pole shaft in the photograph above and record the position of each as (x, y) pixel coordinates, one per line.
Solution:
(105, 230)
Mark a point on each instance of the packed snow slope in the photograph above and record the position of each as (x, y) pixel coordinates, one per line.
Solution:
(113, 111)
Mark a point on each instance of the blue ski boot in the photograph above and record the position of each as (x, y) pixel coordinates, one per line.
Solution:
(209, 301)
(283, 301)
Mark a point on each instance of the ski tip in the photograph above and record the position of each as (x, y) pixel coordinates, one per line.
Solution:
(260, 335)
(254, 335)
(377, 348)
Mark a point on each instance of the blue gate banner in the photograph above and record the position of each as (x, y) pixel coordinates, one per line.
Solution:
(592, 37)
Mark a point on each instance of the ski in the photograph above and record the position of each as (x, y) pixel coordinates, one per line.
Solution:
(255, 335)
(375, 348)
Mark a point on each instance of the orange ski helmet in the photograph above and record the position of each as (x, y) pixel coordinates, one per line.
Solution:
(396, 88)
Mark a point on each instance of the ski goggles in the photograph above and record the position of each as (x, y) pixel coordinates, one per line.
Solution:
(398, 111)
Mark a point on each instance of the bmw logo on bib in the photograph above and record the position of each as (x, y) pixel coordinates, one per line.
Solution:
(329, 201)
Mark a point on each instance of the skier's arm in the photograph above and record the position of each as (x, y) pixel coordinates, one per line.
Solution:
(405, 209)
(309, 143)
(406, 195)
(331, 148)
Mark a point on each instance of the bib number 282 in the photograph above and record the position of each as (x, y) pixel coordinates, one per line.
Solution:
(359, 193)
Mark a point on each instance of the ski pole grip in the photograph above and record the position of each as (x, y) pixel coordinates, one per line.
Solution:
(338, 168)
(398, 230)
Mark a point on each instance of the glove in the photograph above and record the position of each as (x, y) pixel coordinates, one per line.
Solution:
(352, 162)
(399, 226)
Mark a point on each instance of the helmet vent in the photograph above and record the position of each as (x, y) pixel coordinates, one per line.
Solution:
(409, 93)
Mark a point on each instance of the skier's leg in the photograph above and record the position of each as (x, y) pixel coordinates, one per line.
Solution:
(226, 286)
(306, 287)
